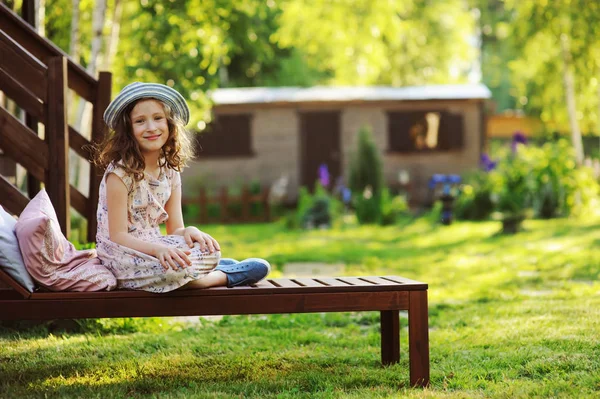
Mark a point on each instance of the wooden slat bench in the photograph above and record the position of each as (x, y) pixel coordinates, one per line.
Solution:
(386, 294)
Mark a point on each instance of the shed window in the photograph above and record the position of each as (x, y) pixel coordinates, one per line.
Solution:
(226, 136)
(424, 131)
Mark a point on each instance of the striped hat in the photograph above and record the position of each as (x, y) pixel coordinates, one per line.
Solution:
(138, 90)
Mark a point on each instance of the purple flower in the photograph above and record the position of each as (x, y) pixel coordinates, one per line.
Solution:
(346, 195)
(518, 138)
(487, 164)
(324, 175)
(436, 179)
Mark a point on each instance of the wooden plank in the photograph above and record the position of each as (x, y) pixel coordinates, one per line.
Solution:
(78, 200)
(34, 185)
(282, 286)
(79, 144)
(418, 338)
(356, 281)
(23, 66)
(378, 280)
(285, 282)
(21, 145)
(5, 277)
(79, 80)
(390, 336)
(162, 305)
(308, 282)
(401, 280)
(11, 198)
(20, 95)
(332, 282)
(57, 137)
(265, 284)
(99, 131)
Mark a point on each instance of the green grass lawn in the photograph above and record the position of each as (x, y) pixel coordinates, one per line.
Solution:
(510, 316)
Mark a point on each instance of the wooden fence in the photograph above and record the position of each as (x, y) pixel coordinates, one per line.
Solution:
(226, 204)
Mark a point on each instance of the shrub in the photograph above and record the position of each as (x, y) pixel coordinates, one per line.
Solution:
(474, 201)
(366, 179)
(317, 210)
(543, 181)
(391, 207)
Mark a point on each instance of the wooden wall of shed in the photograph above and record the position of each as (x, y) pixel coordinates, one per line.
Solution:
(420, 166)
(275, 144)
(275, 137)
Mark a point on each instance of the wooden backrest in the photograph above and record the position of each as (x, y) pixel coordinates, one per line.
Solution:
(13, 284)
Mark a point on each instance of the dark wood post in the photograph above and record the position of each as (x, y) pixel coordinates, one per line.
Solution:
(265, 201)
(99, 130)
(245, 203)
(57, 137)
(418, 338)
(390, 336)
(28, 14)
(224, 200)
(203, 213)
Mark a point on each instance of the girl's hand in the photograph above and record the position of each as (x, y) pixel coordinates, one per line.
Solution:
(172, 257)
(207, 243)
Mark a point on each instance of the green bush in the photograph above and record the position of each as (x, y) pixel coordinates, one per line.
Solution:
(543, 181)
(366, 179)
(474, 201)
(392, 207)
(316, 210)
(560, 187)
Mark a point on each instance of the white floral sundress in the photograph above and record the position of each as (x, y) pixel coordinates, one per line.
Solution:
(145, 212)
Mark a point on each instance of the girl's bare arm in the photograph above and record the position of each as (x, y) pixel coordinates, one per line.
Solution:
(175, 223)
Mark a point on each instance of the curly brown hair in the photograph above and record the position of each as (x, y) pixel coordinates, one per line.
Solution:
(120, 145)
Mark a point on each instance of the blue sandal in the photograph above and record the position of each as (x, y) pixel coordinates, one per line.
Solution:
(249, 271)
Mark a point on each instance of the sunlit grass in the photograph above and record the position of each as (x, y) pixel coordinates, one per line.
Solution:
(510, 316)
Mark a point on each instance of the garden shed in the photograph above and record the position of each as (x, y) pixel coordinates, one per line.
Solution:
(264, 134)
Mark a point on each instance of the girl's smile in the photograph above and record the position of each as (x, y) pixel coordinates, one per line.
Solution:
(150, 127)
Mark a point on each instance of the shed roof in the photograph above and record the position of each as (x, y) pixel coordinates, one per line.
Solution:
(263, 95)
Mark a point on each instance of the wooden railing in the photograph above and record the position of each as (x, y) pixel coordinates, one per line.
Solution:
(36, 75)
(225, 201)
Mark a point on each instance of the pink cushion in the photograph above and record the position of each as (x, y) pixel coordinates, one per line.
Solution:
(50, 258)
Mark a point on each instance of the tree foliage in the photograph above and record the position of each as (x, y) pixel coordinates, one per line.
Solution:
(538, 28)
(196, 45)
(386, 42)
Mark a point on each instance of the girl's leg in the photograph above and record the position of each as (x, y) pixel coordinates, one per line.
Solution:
(248, 271)
(213, 279)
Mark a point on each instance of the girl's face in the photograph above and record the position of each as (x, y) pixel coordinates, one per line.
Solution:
(149, 125)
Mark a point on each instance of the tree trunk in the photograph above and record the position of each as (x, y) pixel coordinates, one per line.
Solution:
(74, 42)
(112, 43)
(598, 115)
(569, 84)
(40, 15)
(84, 111)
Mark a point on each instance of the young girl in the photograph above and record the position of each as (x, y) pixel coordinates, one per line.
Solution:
(146, 149)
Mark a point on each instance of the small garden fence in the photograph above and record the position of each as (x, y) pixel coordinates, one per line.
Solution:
(248, 206)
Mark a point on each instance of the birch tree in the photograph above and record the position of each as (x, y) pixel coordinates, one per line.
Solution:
(84, 111)
(555, 73)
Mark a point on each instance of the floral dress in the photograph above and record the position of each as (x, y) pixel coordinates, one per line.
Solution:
(145, 212)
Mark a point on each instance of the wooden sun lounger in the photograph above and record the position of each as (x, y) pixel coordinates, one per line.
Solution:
(386, 294)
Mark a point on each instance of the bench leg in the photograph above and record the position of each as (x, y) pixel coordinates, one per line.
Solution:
(418, 339)
(390, 336)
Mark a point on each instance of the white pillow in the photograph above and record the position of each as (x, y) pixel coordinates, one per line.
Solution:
(11, 260)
